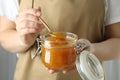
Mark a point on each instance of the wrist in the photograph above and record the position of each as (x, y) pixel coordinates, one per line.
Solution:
(24, 45)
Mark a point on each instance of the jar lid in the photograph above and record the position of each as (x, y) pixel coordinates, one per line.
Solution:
(89, 67)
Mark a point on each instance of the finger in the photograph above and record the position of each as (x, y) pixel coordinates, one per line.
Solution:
(68, 70)
(29, 17)
(33, 11)
(82, 44)
(28, 21)
(29, 31)
(52, 71)
(26, 24)
(88, 45)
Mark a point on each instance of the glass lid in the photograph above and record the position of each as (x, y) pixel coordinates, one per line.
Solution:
(89, 67)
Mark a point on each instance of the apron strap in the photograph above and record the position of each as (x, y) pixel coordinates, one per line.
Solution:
(28, 4)
(32, 3)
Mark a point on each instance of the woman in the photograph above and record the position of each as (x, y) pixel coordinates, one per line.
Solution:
(84, 18)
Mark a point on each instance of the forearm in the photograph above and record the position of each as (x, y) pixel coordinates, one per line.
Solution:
(9, 40)
(107, 50)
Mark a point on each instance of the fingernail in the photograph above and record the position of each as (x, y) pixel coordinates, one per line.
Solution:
(50, 71)
(64, 72)
(38, 13)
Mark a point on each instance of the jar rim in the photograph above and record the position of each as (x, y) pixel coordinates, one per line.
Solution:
(72, 39)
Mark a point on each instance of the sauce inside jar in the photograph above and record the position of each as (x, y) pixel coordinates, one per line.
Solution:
(58, 50)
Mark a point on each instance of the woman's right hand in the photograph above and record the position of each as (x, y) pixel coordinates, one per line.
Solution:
(28, 25)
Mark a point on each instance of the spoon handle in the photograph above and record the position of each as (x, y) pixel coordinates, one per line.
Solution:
(45, 24)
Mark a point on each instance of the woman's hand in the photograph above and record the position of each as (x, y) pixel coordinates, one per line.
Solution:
(82, 44)
(28, 25)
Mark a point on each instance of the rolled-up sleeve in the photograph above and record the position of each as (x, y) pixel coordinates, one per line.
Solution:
(9, 8)
(113, 12)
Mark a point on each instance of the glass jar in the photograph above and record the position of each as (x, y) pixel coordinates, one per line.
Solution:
(58, 50)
